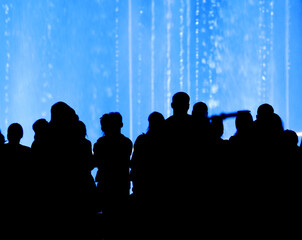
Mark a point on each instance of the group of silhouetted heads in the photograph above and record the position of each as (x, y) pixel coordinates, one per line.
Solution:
(63, 116)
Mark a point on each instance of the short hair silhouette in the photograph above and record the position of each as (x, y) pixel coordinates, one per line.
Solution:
(265, 111)
(290, 138)
(180, 103)
(14, 133)
(200, 110)
(156, 121)
(40, 125)
(111, 123)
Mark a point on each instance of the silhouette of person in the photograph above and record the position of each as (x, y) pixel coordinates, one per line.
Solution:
(201, 124)
(65, 175)
(290, 143)
(112, 156)
(145, 162)
(17, 191)
(242, 139)
(41, 140)
(146, 176)
(180, 166)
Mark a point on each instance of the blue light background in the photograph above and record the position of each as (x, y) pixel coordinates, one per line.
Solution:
(131, 56)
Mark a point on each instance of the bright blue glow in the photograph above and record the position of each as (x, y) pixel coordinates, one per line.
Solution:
(101, 56)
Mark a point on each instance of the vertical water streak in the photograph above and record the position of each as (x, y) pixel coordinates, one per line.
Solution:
(262, 49)
(287, 63)
(130, 74)
(152, 55)
(271, 48)
(188, 25)
(139, 48)
(6, 9)
(117, 50)
(197, 21)
(181, 45)
(168, 56)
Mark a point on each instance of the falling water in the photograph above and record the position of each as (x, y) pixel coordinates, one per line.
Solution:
(168, 57)
(132, 56)
(117, 50)
(188, 49)
(7, 33)
(152, 55)
(181, 45)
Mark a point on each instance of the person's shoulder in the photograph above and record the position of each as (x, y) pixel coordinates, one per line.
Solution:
(99, 142)
(169, 119)
(126, 141)
(24, 148)
(140, 139)
(101, 139)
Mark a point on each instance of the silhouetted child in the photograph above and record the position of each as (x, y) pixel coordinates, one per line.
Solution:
(112, 156)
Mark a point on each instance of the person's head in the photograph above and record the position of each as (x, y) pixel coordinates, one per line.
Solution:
(14, 133)
(111, 123)
(62, 114)
(244, 120)
(180, 103)
(200, 111)
(290, 138)
(156, 121)
(40, 126)
(265, 112)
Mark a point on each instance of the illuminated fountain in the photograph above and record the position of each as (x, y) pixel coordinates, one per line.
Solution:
(132, 56)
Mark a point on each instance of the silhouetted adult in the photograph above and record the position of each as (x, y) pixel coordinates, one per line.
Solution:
(145, 162)
(16, 184)
(181, 165)
(112, 156)
(66, 174)
(147, 177)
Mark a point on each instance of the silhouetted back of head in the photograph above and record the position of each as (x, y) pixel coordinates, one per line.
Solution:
(200, 111)
(61, 114)
(180, 103)
(265, 112)
(40, 127)
(290, 138)
(156, 122)
(111, 123)
(244, 120)
(14, 133)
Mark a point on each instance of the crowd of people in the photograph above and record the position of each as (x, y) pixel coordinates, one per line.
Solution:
(186, 180)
